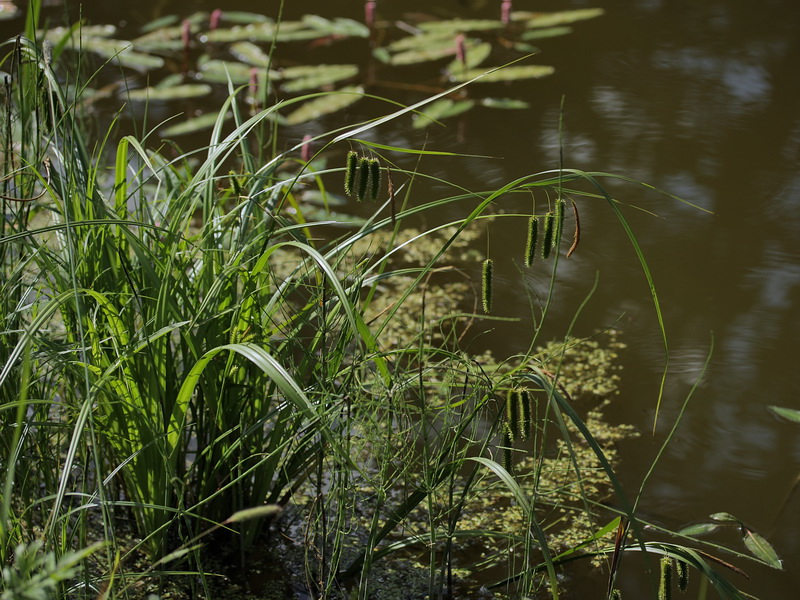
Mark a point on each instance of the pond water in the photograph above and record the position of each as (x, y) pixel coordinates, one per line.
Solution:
(699, 99)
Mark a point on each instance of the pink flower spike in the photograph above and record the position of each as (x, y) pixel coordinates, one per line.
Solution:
(369, 13)
(305, 150)
(186, 34)
(214, 19)
(253, 82)
(461, 49)
(505, 12)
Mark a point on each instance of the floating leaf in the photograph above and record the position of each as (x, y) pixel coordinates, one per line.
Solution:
(338, 27)
(504, 103)
(315, 77)
(250, 53)
(476, 53)
(169, 81)
(260, 32)
(218, 71)
(698, 529)
(121, 52)
(513, 73)
(8, 10)
(761, 549)
(427, 53)
(412, 42)
(546, 32)
(175, 92)
(159, 23)
(166, 39)
(194, 125)
(724, 517)
(441, 109)
(462, 25)
(241, 16)
(787, 413)
(533, 19)
(324, 105)
(382, 54)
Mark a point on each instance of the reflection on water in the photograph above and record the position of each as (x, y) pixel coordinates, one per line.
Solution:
(699, 99)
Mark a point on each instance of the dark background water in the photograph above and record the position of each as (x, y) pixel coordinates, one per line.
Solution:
(701, 99)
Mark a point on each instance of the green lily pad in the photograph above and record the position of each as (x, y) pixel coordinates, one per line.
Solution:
(476, 53)
(121, 51)
(315, 77)
(176, 92)
(242, 16)
(533, 19)
(218, 71)
(504, 103)
(441, 109)
(547, 32)
(194, 125)
(250, 53)
(724, 517)
(338, 27)
(324, 105)
(412, 42)
(462, 25)
(159, 23)
(426, 53)
(513, 73)
(259, 32)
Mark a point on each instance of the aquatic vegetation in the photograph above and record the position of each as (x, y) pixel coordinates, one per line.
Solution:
(196, 347)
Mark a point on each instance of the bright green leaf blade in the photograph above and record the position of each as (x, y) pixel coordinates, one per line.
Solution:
(698, 529)
(761, 549)
(786, 413)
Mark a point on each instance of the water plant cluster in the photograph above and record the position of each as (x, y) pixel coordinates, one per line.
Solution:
(201, 376)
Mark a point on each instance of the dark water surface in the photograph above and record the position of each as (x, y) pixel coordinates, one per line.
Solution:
(701, 99)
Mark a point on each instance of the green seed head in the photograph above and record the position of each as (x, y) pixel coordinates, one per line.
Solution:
(350, 174)
(665, 583)
(547, 241)
(486, 287)
(523, 401)
(363, 177)
(683, 576)
(530, 244)
(374, 178)
(616, 595)
(513, 425)
(507, 443)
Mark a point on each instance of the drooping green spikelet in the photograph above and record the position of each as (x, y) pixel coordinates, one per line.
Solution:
(374, 178)
(559, 225)
(350, 174)
(507, 443)
(530, 244)
(547, 239)
(235, 185)
(363, 178)
(513, 425)
(616, 595)
(665, 583)
(486, 284)
(683, 576)
(523, 400)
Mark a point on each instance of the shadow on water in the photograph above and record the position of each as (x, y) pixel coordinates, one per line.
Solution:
(699, 99)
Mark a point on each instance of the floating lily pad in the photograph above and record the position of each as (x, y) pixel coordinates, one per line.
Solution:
(504, 103)
(315, 77)
(194, 125)
(441, 109)
(165, 39)
(338, 26)
(513, 73)
(427, 53)
(250, 53)
(324, 105)
(8, 10)
(257, 32)
(242, 16)
(462, 25)
(175, 92)
(170, 81)
(160, 23)
(121, 51)
(412, 42)
(533, 19)
(475, 55)
(219, 71)
(547, 32)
